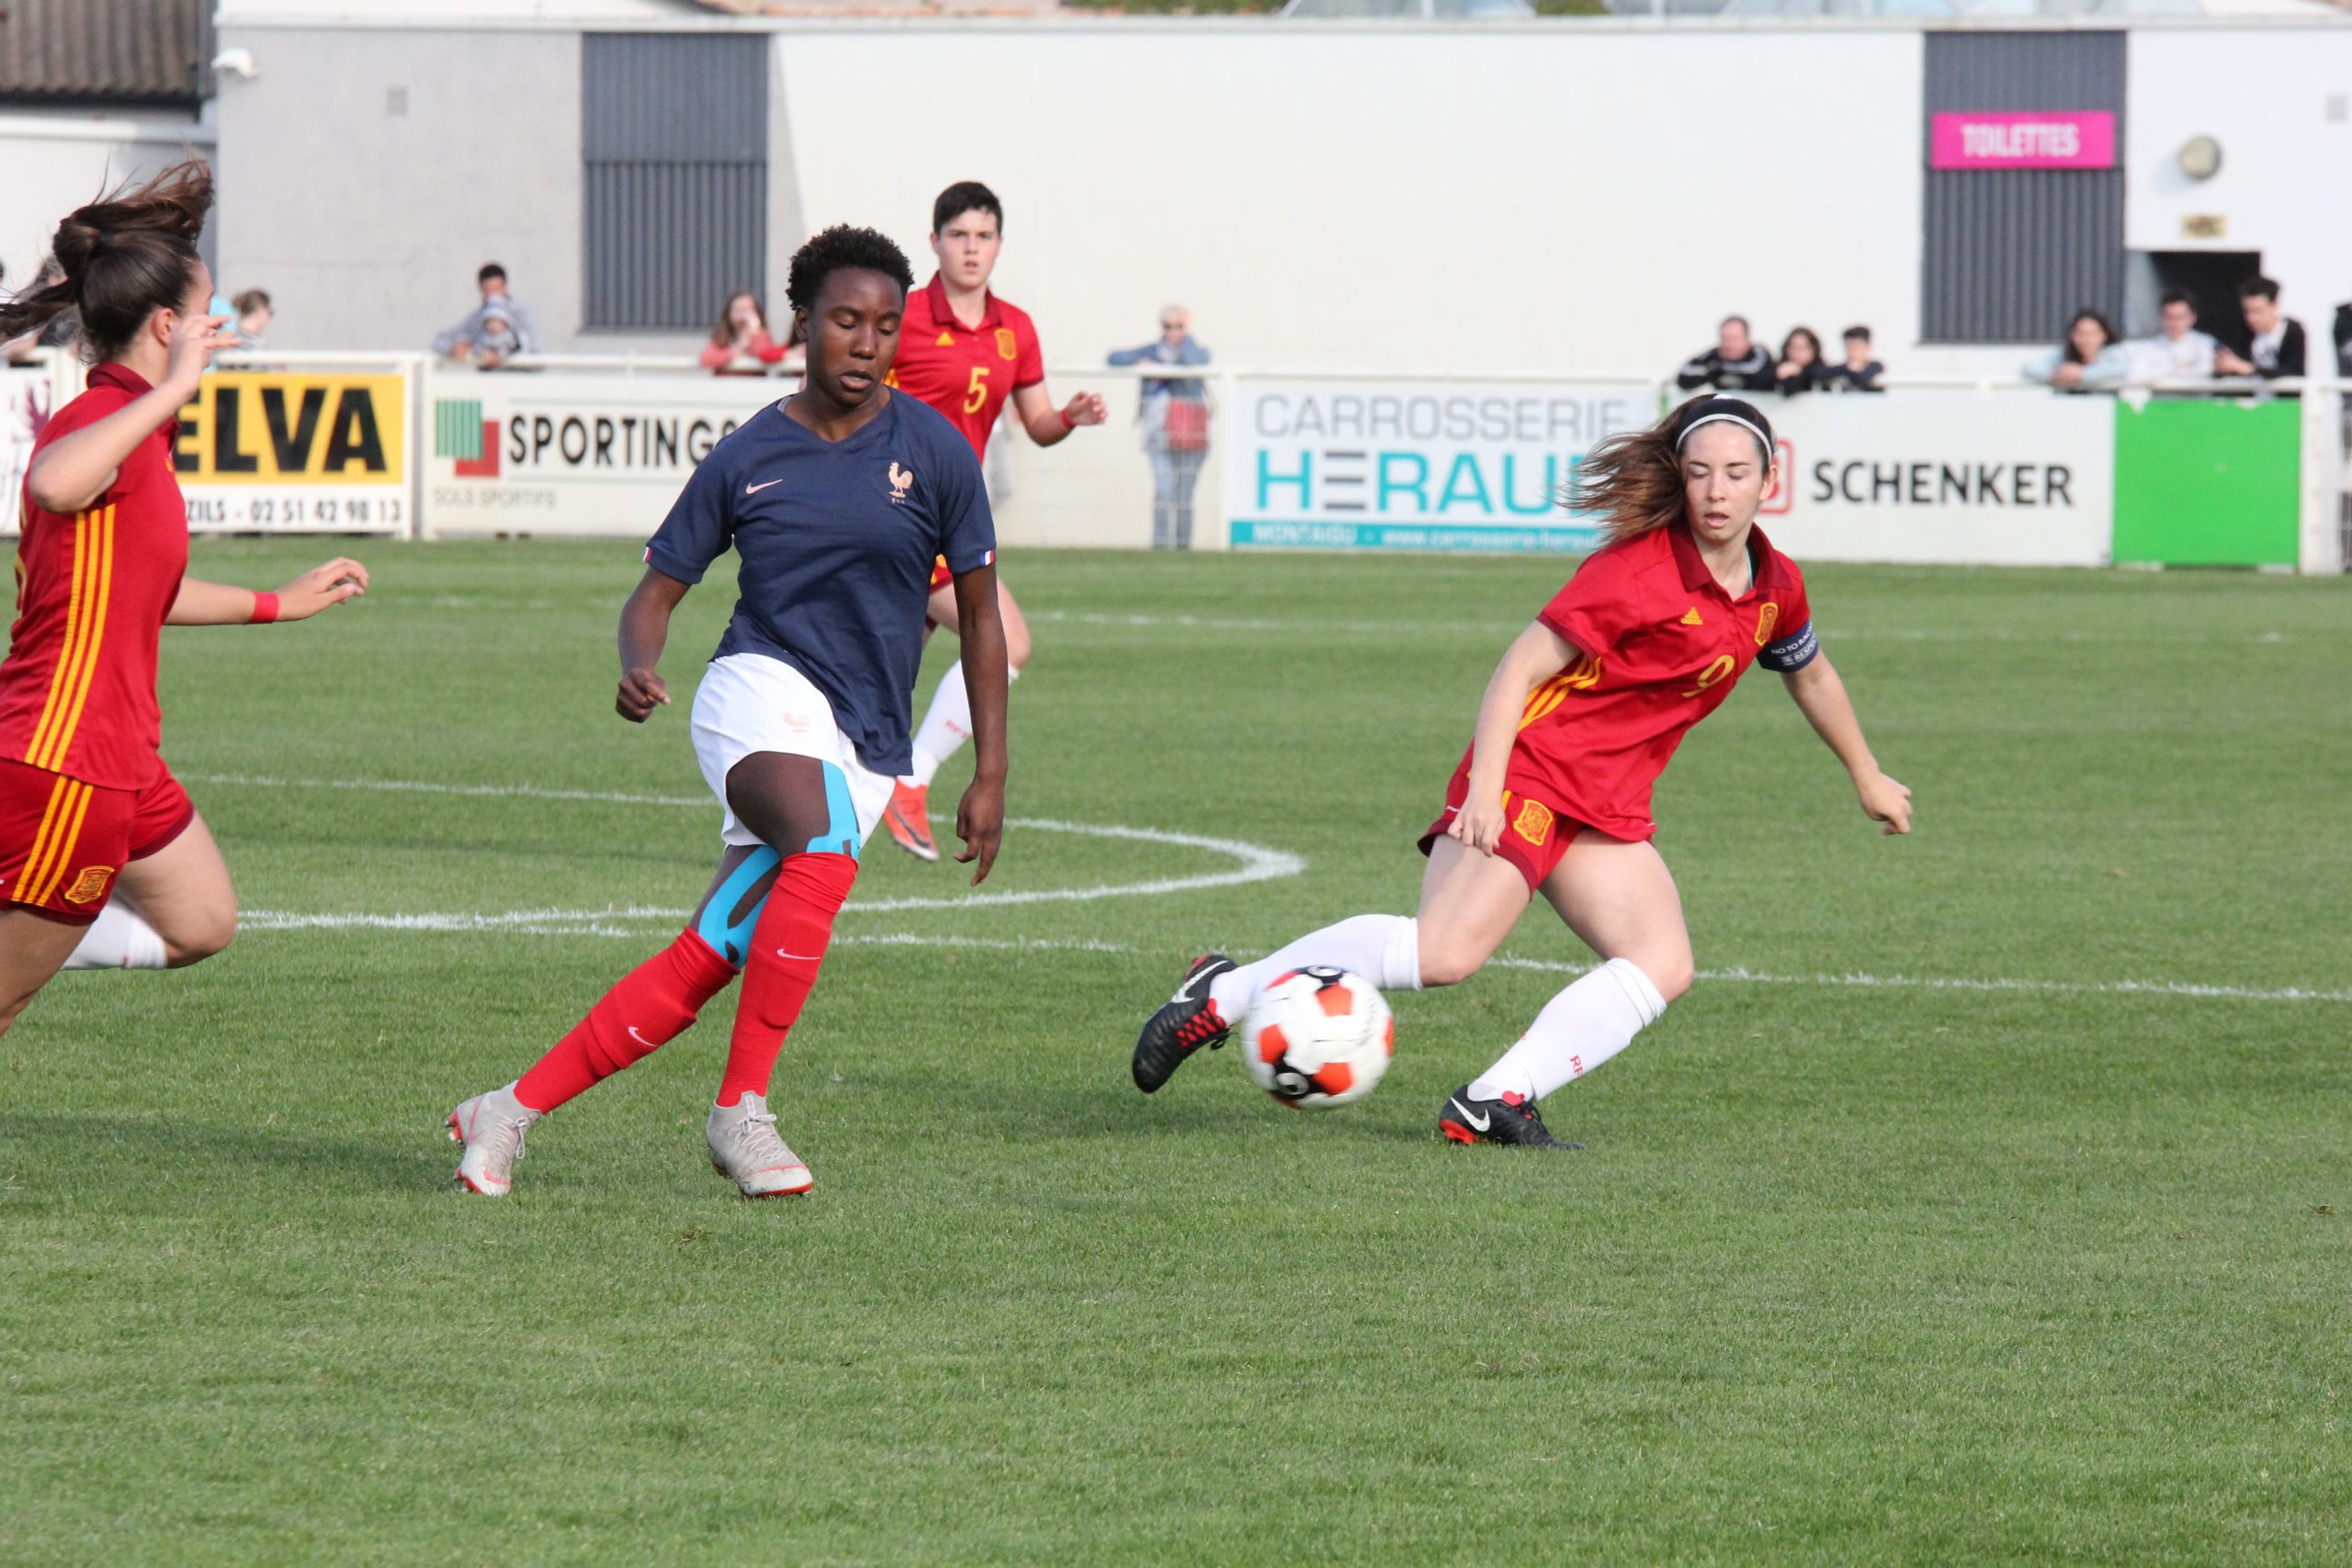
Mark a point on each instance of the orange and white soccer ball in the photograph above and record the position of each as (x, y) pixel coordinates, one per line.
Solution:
(1319, 1037)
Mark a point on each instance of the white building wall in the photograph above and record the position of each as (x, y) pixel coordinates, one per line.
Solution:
(52, 162)
(1510, 199)
(365, 174)
(2282, 112)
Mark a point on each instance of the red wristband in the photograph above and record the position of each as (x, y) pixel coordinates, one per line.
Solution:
(1069, 424)
(265, 609)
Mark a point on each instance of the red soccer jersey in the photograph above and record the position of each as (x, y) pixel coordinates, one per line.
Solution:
(1662, 645)
(966, 372)
(77, 690)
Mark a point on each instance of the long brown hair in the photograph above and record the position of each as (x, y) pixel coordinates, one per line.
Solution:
(724, 333)
(125, 256)
(1633, 481)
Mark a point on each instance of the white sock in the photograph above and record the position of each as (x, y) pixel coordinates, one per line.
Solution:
(946, 723)
(119, 939)
(1383, 949)
(1577, 1030)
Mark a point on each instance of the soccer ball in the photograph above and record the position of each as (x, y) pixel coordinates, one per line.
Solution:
(1319, 1037)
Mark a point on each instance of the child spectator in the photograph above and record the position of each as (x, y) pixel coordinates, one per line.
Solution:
(255, 313)
(1859, 373)
(464, 340)
(1800, 366)
(739, 342)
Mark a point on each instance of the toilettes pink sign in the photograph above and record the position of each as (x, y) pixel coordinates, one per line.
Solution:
(2084, 141)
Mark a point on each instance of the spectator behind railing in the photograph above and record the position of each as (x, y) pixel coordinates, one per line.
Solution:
(2089, 360)
(1800, 367)
(464, 340)
(2344, 340)
(2279, 343)
(740, 342)
(255, 313)
(1861, 373)
(2178, 350)
(1737, 364)
(1174, 414)
(496, 338)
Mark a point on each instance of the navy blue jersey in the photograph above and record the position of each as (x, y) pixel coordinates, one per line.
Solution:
(837, 540)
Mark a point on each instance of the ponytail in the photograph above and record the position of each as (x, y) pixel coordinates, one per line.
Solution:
(1633, 480)
(124, 257)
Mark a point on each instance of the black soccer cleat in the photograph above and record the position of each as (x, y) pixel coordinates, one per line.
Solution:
(1513, 1119)
(1188, 1021)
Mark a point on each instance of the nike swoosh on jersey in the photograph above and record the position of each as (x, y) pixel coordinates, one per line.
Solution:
(1479, 1123)
(642, 1039)
(755, 490)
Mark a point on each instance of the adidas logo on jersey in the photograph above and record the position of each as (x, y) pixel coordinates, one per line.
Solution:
(946, 339)
(1691, 617)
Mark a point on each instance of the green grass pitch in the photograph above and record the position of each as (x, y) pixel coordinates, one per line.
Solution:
(1852, 1272)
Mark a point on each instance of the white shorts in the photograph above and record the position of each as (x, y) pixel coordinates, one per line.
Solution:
(750, 703)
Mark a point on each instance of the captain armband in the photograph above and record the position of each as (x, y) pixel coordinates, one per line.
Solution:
(1791, 653)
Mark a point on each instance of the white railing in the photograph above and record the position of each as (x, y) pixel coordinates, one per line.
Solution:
(1095, 488)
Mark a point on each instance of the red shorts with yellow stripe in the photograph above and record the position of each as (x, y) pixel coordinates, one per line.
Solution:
(62, 842)
(1534, 835)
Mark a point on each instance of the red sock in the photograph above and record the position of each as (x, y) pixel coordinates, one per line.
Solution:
(788, 945)
(650, 1008)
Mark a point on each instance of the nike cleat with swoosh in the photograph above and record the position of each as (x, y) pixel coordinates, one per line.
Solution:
(490, 1126)
(908, 817)
(745, 1149)
(1189, 1020)
(1513, 1119)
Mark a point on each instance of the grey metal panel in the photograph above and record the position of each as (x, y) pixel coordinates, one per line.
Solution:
(674, 135)
(2010, 255)
(675, 96)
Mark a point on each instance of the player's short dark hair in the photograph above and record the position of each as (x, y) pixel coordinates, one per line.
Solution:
(1741, 320)
(2177, 297)
(843, 246)
(490, 270)
(2258, 288)
(1857, 331)
(964, 196)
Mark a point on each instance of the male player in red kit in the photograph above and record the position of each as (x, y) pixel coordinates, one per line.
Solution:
(965, 352)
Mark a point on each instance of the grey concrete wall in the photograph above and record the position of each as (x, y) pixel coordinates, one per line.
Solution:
(365, 174)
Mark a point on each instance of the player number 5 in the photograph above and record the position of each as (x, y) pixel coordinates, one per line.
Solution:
(977, 392)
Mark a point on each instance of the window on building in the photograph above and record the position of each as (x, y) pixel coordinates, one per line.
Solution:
(675, 129)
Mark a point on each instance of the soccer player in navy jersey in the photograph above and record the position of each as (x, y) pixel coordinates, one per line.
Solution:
(838, 499)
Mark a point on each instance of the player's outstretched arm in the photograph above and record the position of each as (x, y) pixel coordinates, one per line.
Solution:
(201, 604)
(645, 630)
(77, 468)
(1821, 697)
(1535, 655)
(1046, 424)
(979, 816)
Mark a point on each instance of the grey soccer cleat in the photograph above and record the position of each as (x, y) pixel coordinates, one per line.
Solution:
(745, 1147)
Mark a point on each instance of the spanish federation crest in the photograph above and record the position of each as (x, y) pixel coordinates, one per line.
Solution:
(1007, 345)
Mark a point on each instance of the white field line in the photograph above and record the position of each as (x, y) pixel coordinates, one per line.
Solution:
(1258, 863)
(638, 921)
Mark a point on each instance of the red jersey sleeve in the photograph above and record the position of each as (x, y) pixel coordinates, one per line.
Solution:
(1597, 608)
(1790, 644)
(1030, 368)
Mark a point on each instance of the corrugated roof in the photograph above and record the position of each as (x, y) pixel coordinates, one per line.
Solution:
(132, 51)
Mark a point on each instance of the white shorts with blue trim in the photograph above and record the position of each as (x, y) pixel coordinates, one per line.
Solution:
(750, 703)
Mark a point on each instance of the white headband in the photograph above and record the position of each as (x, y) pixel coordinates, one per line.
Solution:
(1761, 439)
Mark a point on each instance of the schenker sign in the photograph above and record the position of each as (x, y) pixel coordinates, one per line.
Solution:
(2003, 478)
